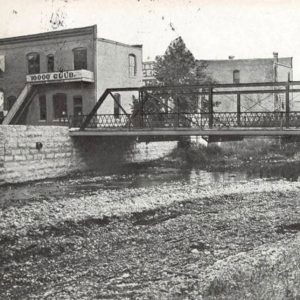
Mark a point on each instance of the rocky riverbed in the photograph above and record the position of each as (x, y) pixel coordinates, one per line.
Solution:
(195, 236)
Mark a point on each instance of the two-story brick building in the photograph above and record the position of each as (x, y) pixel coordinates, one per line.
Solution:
(48, 76)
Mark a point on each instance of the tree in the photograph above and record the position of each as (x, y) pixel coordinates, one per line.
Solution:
(179, 67)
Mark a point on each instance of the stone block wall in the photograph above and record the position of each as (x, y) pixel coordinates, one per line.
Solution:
(142, 152)
(21, 160)
(1, 157)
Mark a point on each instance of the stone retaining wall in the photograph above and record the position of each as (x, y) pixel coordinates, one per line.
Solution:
(22, 160)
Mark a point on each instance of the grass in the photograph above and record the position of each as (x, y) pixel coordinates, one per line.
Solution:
(269, 272)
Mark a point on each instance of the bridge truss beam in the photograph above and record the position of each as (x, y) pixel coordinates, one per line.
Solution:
(175, 121)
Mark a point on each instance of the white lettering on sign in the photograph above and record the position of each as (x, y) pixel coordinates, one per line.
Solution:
(78, 75)
(54, 76)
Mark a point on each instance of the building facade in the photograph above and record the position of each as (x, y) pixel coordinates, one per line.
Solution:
(67, 72)
(242, 71)
(232, 70)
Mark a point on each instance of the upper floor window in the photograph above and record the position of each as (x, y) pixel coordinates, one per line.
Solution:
(236, 76)
(2, 65)
(132, 65)
(50, 63)
(80, 58)
(33, 61)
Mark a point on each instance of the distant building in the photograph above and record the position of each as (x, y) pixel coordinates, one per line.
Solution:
(242, 71)
(56, 74)
(250, 70)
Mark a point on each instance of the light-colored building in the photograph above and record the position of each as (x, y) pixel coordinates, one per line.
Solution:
(48, 76)
(274, 69)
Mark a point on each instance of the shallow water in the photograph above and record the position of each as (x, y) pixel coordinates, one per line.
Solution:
(136, 176)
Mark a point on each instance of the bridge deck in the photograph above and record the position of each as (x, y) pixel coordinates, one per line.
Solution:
(187, 132)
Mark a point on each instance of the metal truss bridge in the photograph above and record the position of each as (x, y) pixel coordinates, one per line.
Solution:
(256, 109)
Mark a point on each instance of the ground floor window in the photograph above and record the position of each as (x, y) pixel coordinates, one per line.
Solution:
(77, 105)
(43, 108)
(11, 101)
(60, 105)
(117, 103)
(1, 106)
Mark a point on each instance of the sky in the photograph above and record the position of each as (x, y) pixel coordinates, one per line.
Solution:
(211, 29)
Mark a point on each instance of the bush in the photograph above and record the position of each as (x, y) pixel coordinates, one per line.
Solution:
(197, 155)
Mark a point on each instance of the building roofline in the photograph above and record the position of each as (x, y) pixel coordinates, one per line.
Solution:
(50, 35)
(118, 43)
(60, 34)
(241, 59)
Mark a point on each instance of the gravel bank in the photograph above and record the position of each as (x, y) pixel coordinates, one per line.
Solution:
(115, 203)
(174, 241)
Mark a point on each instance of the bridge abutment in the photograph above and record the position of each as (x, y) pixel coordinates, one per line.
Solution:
(37, 152)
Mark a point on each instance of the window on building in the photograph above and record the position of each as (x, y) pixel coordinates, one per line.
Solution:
(43, 107)
(11, 101)
(132, 65)
(2, 65)
(2, 108)
(236, 76)
(33, 61)
(50, 63)
(77, 105)
(60, 106)
(2, 113)
(80, 58)
(117, 103)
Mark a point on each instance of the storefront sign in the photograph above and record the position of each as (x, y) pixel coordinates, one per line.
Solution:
(78, 75)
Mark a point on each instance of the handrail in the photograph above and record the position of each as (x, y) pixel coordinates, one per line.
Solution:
(14, 109)
(192, 120)
(238, 89)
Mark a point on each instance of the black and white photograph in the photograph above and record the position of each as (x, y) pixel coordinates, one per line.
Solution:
(150, 149)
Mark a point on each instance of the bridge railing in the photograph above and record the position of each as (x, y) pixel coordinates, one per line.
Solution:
(189, 120)
(260, 104)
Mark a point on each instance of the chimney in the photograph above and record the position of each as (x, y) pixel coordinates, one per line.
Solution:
(231, 57)
(275, 56)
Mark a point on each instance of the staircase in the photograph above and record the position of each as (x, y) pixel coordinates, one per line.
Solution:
(22, 102)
